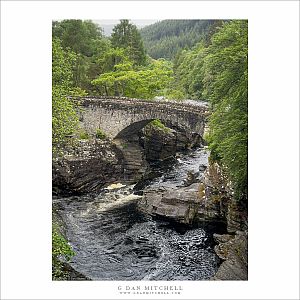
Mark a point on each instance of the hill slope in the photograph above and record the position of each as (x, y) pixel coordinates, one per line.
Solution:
(165, 38)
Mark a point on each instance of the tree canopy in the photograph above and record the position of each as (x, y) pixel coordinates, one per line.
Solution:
(126, 35)
(64, 117)
(166, 38)
(226, 87)
(143, 82)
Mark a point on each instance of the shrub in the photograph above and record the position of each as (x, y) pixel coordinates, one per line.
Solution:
(158, 124)
(100, 134)
(60, 250)
(83, 135)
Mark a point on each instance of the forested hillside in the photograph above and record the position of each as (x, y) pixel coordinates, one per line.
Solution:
(165, 38)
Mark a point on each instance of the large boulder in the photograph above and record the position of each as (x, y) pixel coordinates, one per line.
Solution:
(159, 143)
(179, 205)
(86, 167)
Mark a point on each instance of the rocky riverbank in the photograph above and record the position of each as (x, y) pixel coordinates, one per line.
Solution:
(197, 191)
(233, 250)
(86, 166)
(206, 197)
(217, 203)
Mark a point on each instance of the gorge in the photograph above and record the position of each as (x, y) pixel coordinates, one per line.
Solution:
(148, 205)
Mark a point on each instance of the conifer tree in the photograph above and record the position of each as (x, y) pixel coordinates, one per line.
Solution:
(126, 35)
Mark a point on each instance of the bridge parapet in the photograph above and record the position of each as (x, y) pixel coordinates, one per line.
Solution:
(100, 100)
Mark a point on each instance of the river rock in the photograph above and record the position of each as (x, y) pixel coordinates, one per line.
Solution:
(86, 167)
(234, 251)
(134, 162)
(159, 143)
(69, 273)
(182, 141)
(237, 216)
(222, 238)
(179, 205)
(202, 167)
(217, 202)
(191, 178)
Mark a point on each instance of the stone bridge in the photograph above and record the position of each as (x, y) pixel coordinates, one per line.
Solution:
(121, 117)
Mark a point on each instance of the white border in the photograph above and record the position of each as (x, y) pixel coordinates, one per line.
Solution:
(273, 146)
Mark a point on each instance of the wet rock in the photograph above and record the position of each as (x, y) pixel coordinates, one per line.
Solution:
(134, 163)
(222, 238)
(237, 216)
(178, 205)
(86, 167)
(191, 178)
(69, 273)
(234, 250)
(202, 167)
(196, 140)
(182, 141)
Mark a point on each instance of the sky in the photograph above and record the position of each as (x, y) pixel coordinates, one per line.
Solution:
(136, 22)
(108, 25)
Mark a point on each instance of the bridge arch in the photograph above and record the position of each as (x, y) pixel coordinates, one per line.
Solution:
(132, 129)
(121, 117)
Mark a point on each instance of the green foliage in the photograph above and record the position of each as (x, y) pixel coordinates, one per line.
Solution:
(216, 69)
(125, 145)
(83, 135)
(188, 72)
(166, 38)
(61, 250)
(85, 40)
(158, 124)
(64, 117)
(210, 62)
(100, 134)
(142, 82)
(175, 94)
(226, 86)
(126, 35)
(82, 37)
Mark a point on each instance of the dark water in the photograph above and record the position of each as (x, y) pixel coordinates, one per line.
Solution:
(114, 241)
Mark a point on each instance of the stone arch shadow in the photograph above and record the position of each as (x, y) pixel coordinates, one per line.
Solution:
(132, 129)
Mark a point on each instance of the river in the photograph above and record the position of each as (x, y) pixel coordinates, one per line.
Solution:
(113, 240)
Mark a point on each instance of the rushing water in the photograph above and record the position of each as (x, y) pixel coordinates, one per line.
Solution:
(114, 241)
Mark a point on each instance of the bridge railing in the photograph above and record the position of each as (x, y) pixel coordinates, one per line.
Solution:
(203, 108)
(107, 98)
